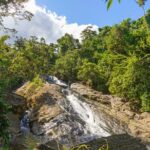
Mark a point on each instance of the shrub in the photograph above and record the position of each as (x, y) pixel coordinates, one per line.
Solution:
(146, 102)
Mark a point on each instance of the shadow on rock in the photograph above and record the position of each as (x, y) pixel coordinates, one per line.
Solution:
(115, 142)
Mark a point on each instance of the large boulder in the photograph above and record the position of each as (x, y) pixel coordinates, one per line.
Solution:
(36, 96)
(42, 101)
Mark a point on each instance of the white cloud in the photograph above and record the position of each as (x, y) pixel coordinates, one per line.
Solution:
(45, 24)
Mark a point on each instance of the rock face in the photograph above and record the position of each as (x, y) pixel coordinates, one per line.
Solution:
(42, 101)
(91, 94)
(53, 118)
(37, 98)
(137, 125)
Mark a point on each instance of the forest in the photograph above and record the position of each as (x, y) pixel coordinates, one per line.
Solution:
(114, 60)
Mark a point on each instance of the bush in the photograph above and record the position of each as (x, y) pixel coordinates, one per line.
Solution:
(90, 74)
(66, 66)
(146, 102)
(131, 79)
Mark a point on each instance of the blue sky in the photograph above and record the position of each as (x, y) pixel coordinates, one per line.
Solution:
(71, 16)
(94, 11)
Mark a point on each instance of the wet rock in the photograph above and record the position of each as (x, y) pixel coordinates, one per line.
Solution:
(42, 101)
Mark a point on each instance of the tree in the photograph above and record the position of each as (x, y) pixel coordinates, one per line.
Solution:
(67, 43)
(90, 44)
(16, 7)
(4, 85)
(89, 74)
(4, 109)
(131, 79)
(107, 61)
(32, 58)
(66, 66)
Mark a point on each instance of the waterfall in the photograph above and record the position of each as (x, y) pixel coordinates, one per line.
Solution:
(93, 124)
(56, 81)
(78, 122)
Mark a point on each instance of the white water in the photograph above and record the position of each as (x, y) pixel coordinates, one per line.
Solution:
(93, 124)
(57, 81)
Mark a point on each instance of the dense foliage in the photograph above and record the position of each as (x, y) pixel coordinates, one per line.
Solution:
(114, 60)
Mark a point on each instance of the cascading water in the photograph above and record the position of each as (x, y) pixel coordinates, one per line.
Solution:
(56, 81)
(82, 118)
(92, 123)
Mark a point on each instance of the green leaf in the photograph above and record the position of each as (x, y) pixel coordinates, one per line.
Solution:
(109, 4)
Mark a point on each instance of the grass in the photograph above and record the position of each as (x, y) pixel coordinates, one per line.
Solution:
(35, 85)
